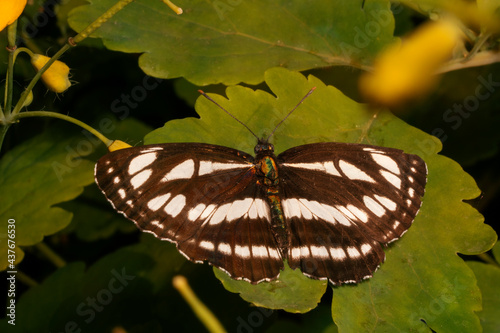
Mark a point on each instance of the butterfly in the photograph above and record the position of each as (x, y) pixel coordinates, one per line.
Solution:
(327, 208)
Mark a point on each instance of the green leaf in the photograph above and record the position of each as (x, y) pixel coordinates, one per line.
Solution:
(422, 272)
(94, 218)
(36, 175)
(488, 276)
(235, 41)
(116, 290)
(293, 292)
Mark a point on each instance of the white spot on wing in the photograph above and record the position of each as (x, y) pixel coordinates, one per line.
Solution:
(195, 212)
(353, 252)
(239, 208)
(175, 206)
(291, 208)
(362, 216)
(185, 170)
(263, 209)
(259, 251)
(391, 178)
(207, 167)
(220, 214)
(304, 252)
(150, 149)
(295, 252)
(374, 206)
(157, 224)
(208, 211)
(122, 193)
(242, 251)
(337, 215)
(140, 178)
(365, 248)
(224, 248)
(207, 245)
(156, 203)
(388, 203)
(140, 162)
(320, 251)
(337, 253)
(386, 162)
(353, 172)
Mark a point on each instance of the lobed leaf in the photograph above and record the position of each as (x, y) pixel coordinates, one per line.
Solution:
(37, 175)
(236, 41)
(423, 282)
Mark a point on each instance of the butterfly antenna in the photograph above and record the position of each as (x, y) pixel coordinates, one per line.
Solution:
(289, 113)
(229, 113)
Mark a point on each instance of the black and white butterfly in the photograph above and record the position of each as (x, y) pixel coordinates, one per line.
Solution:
(327, 208)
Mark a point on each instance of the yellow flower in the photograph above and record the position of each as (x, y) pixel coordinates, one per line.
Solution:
(10, 11)
(56, 76)
(117, 145)
(407, 70)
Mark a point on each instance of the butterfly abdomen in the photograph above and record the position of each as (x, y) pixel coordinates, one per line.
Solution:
(269, 181)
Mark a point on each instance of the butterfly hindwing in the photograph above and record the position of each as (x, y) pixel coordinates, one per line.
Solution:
(204, 198)
(342, 202)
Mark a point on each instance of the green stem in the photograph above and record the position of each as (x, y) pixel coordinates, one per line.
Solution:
(483, 38)
(3, 132)
(28, 114)
(11, 36)
(202, 312)
(26, 279)
(100, 21)
(51, 255)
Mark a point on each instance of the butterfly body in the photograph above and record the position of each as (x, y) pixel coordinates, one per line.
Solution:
(328, 208)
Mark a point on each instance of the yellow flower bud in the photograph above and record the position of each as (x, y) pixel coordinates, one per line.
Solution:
(406, 71)
(117, 144)
(56, 76)
(28, 99)
(10, 11)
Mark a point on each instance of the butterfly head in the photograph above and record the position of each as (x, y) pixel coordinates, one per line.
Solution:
(264, 148)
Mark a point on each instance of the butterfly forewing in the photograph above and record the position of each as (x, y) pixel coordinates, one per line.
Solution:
(204, 198)
(342, 201)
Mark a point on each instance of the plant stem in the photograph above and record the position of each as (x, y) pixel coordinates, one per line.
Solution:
(11, 36)
(92, 130)
(100, 21)
(51, 255)
(26, 279)
(202, 312)
(3, 132)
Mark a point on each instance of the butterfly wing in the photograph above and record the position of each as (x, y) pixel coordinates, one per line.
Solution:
(203, 198)
(342, 202)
